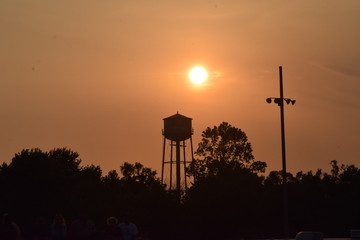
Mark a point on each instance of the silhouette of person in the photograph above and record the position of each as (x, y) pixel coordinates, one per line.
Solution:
(39, 230)
(129, 230)
(9, 230)
(112, 230)
(81, 229)
(58, 228)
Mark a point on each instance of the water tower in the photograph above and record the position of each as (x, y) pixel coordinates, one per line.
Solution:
(177, 131)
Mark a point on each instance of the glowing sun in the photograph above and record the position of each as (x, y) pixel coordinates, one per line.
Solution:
(198, 75)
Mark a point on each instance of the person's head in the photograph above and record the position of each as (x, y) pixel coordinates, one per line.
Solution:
(112, 221)
(59, 219)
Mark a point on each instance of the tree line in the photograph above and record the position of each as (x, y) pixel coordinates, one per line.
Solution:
(230, 196)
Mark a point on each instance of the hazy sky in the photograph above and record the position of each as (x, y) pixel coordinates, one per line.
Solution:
(99, 76)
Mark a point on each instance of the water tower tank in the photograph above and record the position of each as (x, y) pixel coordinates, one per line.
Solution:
(177, 127)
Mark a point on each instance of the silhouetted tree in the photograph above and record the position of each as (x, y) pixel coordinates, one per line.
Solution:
(138, 180)
(325, 202)
(137, 173)
(36, 182)
(222, 148)
(226, 192)
(65, 158)
(144, 198)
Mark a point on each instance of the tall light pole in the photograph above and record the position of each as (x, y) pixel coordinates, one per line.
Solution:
(280, 102)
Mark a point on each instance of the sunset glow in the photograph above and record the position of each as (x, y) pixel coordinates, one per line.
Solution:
(198, 75)
(100, 78)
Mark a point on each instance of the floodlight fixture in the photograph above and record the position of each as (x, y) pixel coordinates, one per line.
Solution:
(279, 101)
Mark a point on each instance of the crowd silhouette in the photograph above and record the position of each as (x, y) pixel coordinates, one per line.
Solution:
(81, 228)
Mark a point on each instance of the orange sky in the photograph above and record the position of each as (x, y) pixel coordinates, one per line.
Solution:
(99, 76)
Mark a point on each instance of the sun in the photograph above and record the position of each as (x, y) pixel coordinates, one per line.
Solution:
(198, 75)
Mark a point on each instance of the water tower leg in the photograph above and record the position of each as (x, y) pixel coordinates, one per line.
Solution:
(192, 150)
(192, 153)
(163, 162)
(178, 179)
(171, 162)
(184, 153)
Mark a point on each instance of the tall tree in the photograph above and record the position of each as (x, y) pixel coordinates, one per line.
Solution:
(221, 149)
(226, 185)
